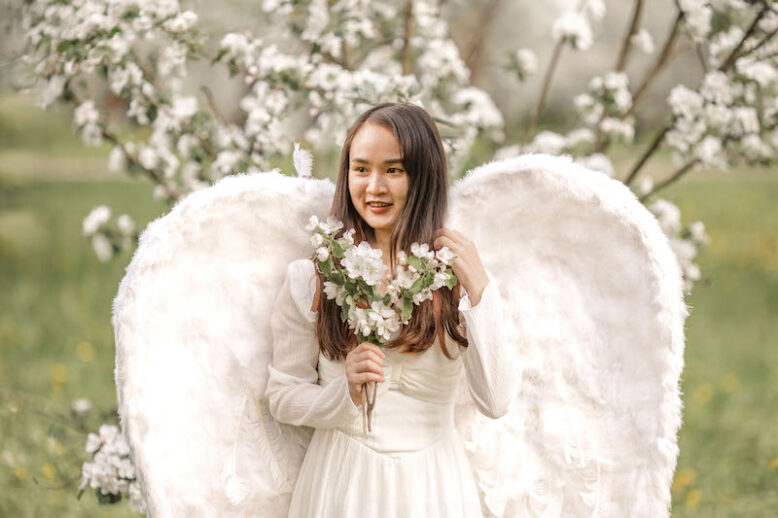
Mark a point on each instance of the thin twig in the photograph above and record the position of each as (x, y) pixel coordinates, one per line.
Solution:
(544, 89)
(409, 28)
(626, 44)
(672, 178)
(659, 64)
(658, 138)
(212, 104)
(734, 55)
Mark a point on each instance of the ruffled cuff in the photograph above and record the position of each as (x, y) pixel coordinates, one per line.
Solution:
(489, 299)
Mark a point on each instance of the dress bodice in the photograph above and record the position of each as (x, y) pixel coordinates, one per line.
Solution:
(427, 376)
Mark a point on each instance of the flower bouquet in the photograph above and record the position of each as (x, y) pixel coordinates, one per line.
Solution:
(353, 274)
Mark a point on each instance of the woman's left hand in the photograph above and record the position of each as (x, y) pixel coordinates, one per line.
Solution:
(467, 266)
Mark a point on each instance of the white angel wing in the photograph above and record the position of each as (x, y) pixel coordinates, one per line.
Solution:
(192, 328)
(594, 300)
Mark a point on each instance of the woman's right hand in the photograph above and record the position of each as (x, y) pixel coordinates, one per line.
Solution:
(364, 363)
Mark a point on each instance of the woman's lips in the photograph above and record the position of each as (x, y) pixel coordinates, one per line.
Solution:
(378, 210)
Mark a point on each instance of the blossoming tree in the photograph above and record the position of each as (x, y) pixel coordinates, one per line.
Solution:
(338, 57)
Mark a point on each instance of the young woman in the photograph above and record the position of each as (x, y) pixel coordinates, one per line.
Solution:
(392, 190)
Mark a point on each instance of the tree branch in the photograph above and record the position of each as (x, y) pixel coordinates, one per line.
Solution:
(672, 178)
(658, 138)
(544, 89)
(734, 55)
(409, 28)
(660, 63)
(626, 44)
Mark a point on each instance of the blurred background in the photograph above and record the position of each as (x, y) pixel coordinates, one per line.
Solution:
(56, 285)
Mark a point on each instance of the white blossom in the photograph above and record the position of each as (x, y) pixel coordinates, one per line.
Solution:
(698, 234)
(335, 291)
(597, 162)
(697, 17)
(126, 225)
(526, 62)
(668, 214)
(547, 142)
(685, 102)
(96, 217)
(760, 71)
(365, 262)
(710, 152)
(102, 247)
(575, 27)
(643, 40)
(81, 406)
(184, 107)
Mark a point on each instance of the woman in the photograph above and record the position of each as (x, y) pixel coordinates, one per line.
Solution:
(392, 190)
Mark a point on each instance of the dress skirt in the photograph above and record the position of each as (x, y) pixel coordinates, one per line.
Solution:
(412, 465)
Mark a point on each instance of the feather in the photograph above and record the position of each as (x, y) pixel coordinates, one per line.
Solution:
(234, 486)
(303, 161)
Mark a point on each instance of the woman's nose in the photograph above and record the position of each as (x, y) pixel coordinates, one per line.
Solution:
(376, 183)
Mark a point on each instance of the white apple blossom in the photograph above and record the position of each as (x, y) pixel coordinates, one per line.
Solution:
(710, 152)
(322, 254)
(365, 262)
(643, 40)
(126, 225)
(668, 214)
(697, 17)
(547, 142)
(97, 217)
(526, 62)
(81, 406)
(334, 291)
(574, 27)
(698, 234)
(103, 247)
(685, 102)
(597, 162)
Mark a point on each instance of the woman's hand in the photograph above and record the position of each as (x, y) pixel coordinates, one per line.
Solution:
(467, 266)
(364, 363)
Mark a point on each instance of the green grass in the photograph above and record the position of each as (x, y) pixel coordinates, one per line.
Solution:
(56, 340)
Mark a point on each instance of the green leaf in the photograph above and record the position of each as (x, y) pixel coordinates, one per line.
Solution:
(418, 285)
(415, 262)
(337, 248)
(407, 309)
(387, 299)
(451, 282)
(326, 268)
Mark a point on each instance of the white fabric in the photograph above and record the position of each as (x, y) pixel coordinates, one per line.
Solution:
(592, 297)
(412, 462)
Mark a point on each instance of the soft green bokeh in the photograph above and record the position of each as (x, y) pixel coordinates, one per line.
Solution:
(56, 340)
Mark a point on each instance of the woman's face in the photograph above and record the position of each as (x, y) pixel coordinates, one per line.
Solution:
(376, 176)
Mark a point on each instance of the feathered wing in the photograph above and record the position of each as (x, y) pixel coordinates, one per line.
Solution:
(192, 328)
(594, 304)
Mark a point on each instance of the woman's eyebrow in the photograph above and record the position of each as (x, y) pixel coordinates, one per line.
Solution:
(390, 161)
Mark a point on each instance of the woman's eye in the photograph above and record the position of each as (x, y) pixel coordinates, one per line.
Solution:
(396, 170)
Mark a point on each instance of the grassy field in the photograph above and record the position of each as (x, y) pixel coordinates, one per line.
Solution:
(56, 340)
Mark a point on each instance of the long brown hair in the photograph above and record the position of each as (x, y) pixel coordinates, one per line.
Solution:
(423, 214)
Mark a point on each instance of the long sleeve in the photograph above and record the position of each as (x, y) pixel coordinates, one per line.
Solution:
(491, 363)
(293, 393)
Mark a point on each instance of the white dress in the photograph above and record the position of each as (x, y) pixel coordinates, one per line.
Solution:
(413, 462)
